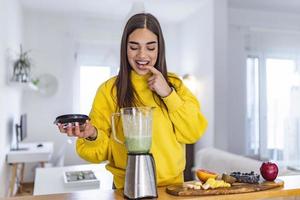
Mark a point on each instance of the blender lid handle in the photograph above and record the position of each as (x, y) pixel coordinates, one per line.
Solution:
(113, 127)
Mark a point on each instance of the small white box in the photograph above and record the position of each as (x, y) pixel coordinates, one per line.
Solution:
(81, 178)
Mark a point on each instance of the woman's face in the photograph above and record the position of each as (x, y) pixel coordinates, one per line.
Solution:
(142, 50)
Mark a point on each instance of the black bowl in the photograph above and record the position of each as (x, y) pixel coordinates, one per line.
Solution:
(71, 118)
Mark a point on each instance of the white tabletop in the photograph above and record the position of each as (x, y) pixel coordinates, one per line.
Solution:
(32, 153)
(50, 180)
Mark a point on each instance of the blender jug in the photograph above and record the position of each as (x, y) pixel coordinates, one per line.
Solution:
(140, 176)
(137, 127)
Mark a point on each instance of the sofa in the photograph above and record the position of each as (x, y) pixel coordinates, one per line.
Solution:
(220, 161)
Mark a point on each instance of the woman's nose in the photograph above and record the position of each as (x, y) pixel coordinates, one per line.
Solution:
(142, 53)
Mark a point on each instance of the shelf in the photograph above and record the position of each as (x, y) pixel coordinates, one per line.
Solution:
(23, 86)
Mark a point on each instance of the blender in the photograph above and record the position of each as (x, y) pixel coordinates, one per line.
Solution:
(140, 176)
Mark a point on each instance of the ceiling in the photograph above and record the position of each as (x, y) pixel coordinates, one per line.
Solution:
(288, 6)
(165, 10)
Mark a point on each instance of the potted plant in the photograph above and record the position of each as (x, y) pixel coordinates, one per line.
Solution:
(21, 67)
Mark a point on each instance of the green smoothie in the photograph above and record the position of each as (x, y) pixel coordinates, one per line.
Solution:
(138, 144)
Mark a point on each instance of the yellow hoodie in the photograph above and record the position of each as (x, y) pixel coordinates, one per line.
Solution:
(182, 124)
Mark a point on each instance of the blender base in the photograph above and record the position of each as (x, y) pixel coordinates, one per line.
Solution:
(140, 177)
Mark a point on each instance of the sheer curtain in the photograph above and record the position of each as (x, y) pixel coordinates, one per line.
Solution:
(292, 143)
(273, 109)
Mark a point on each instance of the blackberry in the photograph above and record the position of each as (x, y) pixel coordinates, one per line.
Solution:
(246, 177)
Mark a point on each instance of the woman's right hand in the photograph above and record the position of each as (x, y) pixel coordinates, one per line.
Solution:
(88, 130)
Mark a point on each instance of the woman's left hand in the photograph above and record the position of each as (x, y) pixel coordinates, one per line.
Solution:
(158, 83)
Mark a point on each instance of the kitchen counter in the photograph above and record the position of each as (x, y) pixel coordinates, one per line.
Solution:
(291, 189)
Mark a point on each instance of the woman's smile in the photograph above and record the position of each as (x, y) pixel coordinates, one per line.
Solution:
(141, 63)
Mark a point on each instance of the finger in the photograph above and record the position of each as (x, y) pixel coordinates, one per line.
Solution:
(69, 130)
(86, 134)
(152, 69)
(87, 122)
(80, 134)
(77, 129)
(151, 87)
(61, 128)
(70, 134)
(87, 126)
(94, 130)
(151, 82)
(87, 129)
(152, 78)
(65, 126)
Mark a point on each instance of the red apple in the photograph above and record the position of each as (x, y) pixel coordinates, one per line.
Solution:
(269, 171)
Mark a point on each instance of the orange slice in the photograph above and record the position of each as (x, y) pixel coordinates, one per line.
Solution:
(203, 175)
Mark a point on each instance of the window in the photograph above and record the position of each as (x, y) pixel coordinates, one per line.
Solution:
(252, 105)
(91, 77)
(273, 110)
(279, 73)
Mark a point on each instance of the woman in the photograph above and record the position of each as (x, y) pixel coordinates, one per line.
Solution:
(143, 80)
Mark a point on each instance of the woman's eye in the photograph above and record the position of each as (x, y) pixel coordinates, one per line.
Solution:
(133, 48)
(151, 49)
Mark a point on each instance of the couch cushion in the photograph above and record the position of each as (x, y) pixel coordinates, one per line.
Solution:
(224, 162)
(220, 161)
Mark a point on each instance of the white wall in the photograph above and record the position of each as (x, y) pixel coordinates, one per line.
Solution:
(236, 92)
(197, 53)
(10, 38)
(263, 19)
(52, 48)
(221, 109)
(59, 44)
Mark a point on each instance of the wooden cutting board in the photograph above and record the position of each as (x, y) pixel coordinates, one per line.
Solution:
(236, 188)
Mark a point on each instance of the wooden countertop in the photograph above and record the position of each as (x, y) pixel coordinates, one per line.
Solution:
(291, 188)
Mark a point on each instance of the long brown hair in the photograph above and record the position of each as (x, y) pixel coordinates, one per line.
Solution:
(126, 94)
